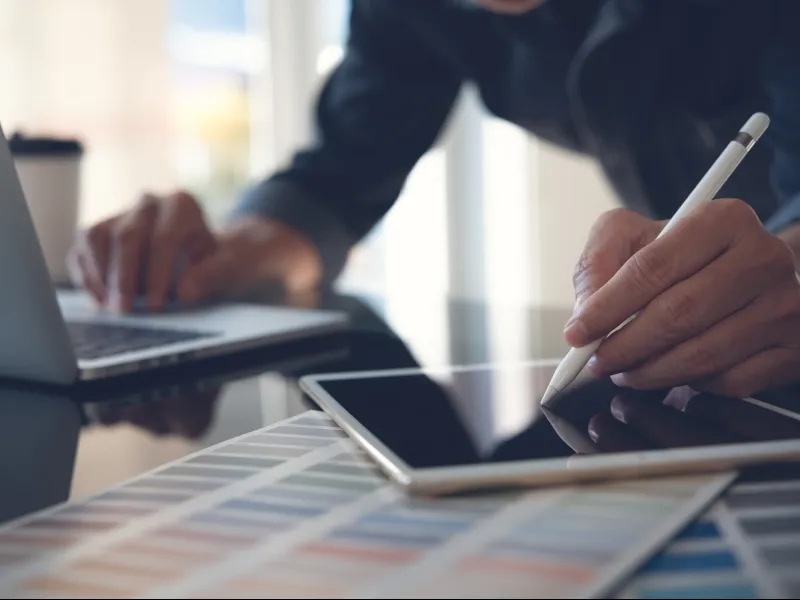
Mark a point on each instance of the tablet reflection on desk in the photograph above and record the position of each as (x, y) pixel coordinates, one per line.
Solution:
(38, 441)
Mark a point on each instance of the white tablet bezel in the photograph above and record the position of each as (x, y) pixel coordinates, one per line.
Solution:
(574, 469)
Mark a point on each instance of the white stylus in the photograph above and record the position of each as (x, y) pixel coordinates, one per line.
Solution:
(709, 185)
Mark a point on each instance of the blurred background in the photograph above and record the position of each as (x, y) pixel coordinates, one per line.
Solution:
(210, 95)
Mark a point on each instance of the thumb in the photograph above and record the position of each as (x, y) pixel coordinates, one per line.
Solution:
(594, 269)
(615, 237)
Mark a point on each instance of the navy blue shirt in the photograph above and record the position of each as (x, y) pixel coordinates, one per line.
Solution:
(652, 89)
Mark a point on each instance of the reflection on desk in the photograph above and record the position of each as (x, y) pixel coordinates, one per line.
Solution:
(38, 439)
(133, 424)
(95, 437)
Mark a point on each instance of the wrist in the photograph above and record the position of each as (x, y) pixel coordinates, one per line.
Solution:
(270, 251)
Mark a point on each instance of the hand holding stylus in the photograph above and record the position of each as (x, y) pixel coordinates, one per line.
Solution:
(718, 302)
(715, 299)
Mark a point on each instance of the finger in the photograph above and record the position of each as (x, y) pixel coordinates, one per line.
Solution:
(768, 369)
(84, 274)
(88, 260)
(95, 244)
(665, 426)
(200, 247)
(685, 311)
(742, 418)
(614, 238)
(610, 435)
(181, 239)
(163, 248)
(692, 244)
(130, 238)
(730, 342)
(173, 224)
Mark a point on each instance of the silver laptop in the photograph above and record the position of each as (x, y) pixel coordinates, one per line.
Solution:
(62, 337)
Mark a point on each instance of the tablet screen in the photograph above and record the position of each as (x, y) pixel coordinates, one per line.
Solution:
(474, 415)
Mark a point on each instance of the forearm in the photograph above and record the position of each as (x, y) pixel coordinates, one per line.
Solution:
(379, 112)
(276, 201)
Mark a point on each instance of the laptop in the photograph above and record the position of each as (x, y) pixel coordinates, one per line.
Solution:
(62, 337)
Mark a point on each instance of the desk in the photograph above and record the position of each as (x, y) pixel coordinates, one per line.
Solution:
(60, 445)
(128, 426)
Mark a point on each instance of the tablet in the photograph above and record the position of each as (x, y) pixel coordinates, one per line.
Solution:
(453, 429)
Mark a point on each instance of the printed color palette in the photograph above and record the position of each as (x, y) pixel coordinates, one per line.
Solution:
(296, 510)
(747, 546)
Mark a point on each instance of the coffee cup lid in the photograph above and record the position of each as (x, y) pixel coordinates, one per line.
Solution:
(22, 145)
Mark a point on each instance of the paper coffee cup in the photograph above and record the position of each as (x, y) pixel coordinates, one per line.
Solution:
(49, 171)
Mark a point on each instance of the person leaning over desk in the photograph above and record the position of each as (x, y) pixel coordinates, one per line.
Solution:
(652, 90)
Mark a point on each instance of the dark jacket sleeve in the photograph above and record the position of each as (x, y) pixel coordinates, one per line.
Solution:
(378, 113)
(782, 72)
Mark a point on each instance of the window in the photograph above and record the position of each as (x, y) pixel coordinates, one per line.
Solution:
(156, 89)
(211, 95)
(213, 57)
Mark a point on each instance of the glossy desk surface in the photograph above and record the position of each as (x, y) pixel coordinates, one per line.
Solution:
(59, 444)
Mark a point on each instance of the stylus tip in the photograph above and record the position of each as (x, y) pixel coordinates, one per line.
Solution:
(549, 395)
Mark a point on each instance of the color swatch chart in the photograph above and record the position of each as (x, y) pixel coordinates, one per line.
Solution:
(295, 510)
(748, 546)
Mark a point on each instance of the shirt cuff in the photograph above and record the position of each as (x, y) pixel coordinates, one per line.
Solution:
(288, 203)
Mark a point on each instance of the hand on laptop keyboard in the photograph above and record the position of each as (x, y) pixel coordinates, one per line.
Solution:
(163, 249)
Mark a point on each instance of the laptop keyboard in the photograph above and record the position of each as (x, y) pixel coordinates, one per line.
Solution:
(101, 340)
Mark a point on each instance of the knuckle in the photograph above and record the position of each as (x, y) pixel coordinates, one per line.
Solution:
(733, 211)
(613, 217)
(147, 207)
(184, 202)
(651, 270)
(618, 220)
(617, 357)
(702, 360)
(678, 311)
(94, 236)
(581, 271)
